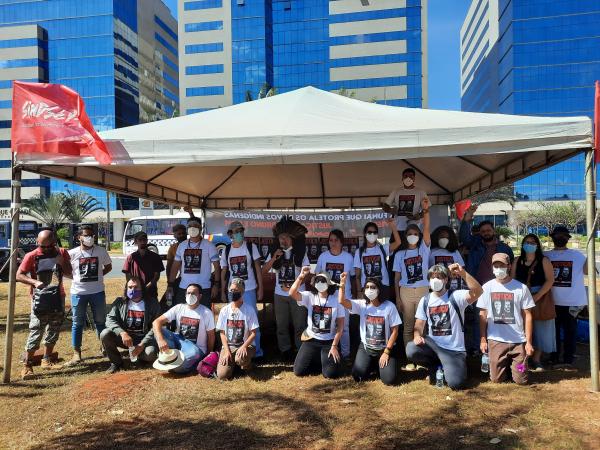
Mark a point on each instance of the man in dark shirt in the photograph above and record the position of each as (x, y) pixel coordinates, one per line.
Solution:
(144, 264)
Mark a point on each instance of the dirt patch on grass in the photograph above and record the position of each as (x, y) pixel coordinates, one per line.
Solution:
(108, 388)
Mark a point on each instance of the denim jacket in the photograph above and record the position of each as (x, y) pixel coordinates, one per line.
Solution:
(476, 248)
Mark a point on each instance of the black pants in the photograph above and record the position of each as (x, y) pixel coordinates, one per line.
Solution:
(313, 358)
(367, 360)
(565, 321)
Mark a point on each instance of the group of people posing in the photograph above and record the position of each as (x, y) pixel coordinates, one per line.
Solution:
(519, 308)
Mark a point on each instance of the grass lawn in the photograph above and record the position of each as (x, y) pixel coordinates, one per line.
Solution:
(82, 407)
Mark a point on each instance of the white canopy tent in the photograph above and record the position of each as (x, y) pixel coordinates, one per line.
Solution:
(314, 149)
(310, 148)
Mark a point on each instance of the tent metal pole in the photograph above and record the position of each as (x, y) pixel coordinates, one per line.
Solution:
(12, 281)
(108, 221)
(590, 200)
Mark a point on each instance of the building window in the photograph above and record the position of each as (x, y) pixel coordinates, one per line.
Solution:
(202, 4)
(204, 26)
(202, 70)
(204, 91)
(204, 48)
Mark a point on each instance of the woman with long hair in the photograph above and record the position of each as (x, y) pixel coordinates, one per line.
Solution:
(444, 250)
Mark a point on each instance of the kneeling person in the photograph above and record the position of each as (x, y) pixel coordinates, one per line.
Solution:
(237, 325)
(129, 324)
(379, 321)
(444, 314)
(195, 331)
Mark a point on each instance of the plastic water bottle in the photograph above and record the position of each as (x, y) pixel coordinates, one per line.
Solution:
(439, 378)
(485, 363)
(169, 297)
(131, 357)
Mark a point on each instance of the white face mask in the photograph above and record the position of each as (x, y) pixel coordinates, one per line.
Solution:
(371, 238)
(321, 286)
(371, 293)
(191, 299)
(408, 181)
(436, 284)
(288, 252)
(443, 242)
(88, 241)
(412, 239)
(193, 232)
(500, 272)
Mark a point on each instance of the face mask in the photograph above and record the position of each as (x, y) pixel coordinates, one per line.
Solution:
(443, 242)
(529, 248)
(193, 232)
(88, 241)
(436, 284)
(134, 294)
(321, 286)
(371, 293)
(408, 182)
(238, 237)
(191, 299)
(500, 272)
(371, 238)
(234, 296)
(560, 241)
(412, 239)
(288, 252)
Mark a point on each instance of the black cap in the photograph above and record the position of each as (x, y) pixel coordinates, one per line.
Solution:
(140, 234)
(560, 229)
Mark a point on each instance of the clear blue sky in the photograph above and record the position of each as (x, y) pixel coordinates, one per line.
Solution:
(445, 19)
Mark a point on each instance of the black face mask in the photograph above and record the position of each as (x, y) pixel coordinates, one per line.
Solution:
(234, 296)
(560, 241)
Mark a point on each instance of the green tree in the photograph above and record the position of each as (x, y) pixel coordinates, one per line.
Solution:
(265, 91)
(502, 194)
(49, 210)
(79, 205)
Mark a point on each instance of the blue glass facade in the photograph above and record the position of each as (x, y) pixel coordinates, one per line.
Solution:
(546, 60)
(94, 48)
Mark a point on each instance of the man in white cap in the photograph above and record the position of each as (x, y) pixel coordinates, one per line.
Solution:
(195, 331)
(241, 259)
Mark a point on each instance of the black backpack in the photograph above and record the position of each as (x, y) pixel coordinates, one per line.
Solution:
(454, 305)
(249, 247)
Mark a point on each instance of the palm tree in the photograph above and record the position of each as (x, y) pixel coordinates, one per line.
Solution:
(265, 91)
(49, 210)
(79, 205)
(502, 194)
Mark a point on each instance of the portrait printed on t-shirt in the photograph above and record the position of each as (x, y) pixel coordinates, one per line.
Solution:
(235, 332)
(135, 320)
(375, 331)
(313, 249)
(335, 271)
(239, 267)
(192, 259)
(321, 319)
(188, 327)
(447, 260)
(414, 269)
(324, 245)
(440, 320)
(503, 307)
(88, 268)
(264, 247)
(287, 273)
(406, 204)
(563, 273)
(372, 266)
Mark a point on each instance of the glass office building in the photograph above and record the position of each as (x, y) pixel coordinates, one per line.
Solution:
(534, 57)
(119, 55)
(229, 49)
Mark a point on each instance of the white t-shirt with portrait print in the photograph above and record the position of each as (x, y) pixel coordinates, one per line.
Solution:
(569, 287)
(441, 317)
(196, 260)
(335, 265)
(405, 202)
(322, 315)
(376, 322)
(287, 274)
(192, 324)
(88, 269)
(241, 265)
(413, 265)
(505, 304)
(372, 263)
(237, 323)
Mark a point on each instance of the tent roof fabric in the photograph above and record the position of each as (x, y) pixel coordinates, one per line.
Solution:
(310, 149)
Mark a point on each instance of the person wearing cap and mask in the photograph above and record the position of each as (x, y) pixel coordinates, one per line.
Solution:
(129, 324)
(319, 351)
(443, 312)
(237, 325)
(379, 322)
(90, 263)
(44, 267)
(195, 260)
(405, 202)
(568, 292)
(144, 264)
(507, 334)
(195, 329)
(180, 235)
(241, 259)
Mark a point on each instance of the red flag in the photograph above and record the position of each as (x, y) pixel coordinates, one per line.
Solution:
(51, 118)
(597, 123)
(461, 208)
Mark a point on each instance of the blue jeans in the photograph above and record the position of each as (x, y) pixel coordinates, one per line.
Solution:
(79, 304)
(191, 353)
(250, 299)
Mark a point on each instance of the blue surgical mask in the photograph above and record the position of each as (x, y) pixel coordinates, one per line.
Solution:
(134, 294)
(238, 237)
(529, 248)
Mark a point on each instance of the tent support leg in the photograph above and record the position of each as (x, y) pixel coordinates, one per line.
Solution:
(12, 281)
(590, 199)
